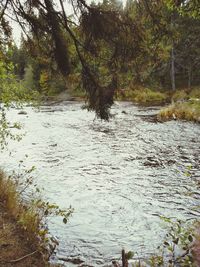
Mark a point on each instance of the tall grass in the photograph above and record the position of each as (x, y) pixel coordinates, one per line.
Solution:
(31, 216)
(189, 111)
(26, 216)
(142, 95)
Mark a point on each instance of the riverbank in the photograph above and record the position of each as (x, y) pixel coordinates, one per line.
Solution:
(143, 96)
(20, 239)
(148, 155)
(189, 111)
(185, 105)
(15, 249)
(182, 104)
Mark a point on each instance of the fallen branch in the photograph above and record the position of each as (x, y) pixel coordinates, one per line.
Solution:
(20, 259)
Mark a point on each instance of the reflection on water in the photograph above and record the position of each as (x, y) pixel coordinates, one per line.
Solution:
(118, 176)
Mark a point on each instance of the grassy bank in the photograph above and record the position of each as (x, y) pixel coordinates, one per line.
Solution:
(189, 111)
(139, 95)
(185, 106)
(24, 237)
(20, 226)
(142, 95)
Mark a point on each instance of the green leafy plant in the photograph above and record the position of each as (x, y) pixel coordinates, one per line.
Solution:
(177, 247)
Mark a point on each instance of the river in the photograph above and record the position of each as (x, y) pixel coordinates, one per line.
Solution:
(119, 176)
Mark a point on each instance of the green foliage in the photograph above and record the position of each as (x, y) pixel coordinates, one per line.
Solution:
(78, 92)
(111, 47)
(28, 79)
(145, 96)
(186, 8)
(178, 244)
(177, 247)
(156, 261)
(44, 82)
(57, 85)
(12, 92)
(5, 131)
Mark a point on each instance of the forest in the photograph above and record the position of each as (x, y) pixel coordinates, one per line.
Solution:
(140, 51)
(135, 65)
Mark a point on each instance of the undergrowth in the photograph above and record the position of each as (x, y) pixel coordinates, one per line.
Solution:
(142, 95)
(31, 215)
(178, 248)
(189, 111)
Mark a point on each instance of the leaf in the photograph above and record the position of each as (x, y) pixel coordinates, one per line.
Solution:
(190, 238)
(166, 243)
(175, 241)
(190, 258)
(64, 220)
(129, 255)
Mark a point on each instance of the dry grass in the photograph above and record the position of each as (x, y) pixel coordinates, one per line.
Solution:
(180, 95)
(195, 93)
(189, 111)
(26, 223)
(148, 96)
(143, 96)
(27, 217)
(18, 235)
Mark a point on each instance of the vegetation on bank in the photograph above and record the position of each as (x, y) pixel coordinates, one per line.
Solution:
(189, 111)
(113, 45)
(185, 106)
(28, 221)
(145, 42)
(142, 95)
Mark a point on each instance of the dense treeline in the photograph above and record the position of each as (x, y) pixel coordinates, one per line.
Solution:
(103, 47)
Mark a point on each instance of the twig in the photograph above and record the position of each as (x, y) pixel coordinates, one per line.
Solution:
(20, 259)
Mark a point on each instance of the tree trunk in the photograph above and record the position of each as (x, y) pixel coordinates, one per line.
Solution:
(189, 78)
(173, 79)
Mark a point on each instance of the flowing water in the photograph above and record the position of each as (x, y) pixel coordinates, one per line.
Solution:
(119, 176)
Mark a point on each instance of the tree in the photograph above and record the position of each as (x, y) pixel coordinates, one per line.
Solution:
(96, 24)
(103, 42)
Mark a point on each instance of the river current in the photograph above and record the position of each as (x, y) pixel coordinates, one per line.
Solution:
(119, 176)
